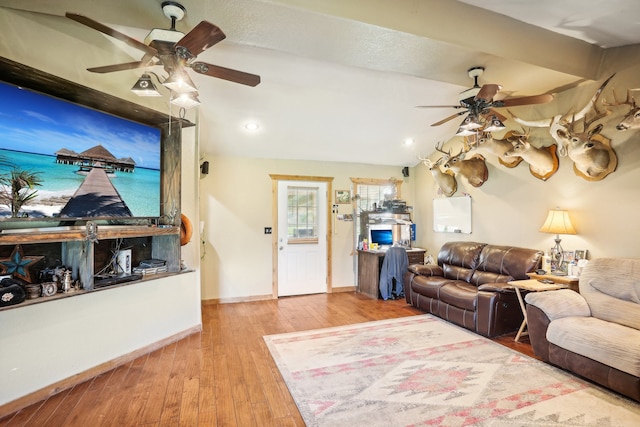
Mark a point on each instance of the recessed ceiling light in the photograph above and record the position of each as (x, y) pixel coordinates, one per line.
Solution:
(251, 126)
(408, 141)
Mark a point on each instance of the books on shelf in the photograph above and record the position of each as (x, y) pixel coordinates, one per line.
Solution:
(151, 266)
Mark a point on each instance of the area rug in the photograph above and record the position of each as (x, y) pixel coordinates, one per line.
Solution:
(423, 371)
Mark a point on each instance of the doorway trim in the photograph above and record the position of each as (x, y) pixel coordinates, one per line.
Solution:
(274, 235)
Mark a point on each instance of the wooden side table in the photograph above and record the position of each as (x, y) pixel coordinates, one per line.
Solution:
(570, 281)
(532, 285)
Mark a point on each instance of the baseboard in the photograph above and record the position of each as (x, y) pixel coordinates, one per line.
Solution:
(236, 299)
(344, 289)
(214, 301)
(55, 388)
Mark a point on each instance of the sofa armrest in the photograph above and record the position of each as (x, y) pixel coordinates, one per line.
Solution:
(426, 269)
(559, 304)
(496, 287)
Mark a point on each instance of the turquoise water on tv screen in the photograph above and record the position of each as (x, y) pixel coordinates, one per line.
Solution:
(140, 190)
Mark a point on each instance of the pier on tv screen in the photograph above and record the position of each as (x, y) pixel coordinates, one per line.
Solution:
(63, 160)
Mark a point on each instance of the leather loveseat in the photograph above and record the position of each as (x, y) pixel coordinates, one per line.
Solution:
(469, 286)
(594, 333)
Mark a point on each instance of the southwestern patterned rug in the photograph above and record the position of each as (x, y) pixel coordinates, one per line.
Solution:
(423, 371)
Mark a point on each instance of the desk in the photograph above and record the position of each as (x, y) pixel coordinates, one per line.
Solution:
(532, 286)
(370, 263)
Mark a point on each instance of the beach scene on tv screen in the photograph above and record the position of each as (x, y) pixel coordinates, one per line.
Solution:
(63, 160)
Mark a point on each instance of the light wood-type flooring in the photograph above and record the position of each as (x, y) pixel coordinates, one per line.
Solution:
(223, 376)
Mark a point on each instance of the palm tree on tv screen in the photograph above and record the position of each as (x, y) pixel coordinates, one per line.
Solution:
(18, 189)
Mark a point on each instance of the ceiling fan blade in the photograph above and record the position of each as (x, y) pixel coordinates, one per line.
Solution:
(488, 91)
(118, 67)
(200, 38)
(111, 32)
(451, 117)
(525, 100)
(226, 73)
(439, 106)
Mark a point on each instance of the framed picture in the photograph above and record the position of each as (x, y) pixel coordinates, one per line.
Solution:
(343, 196)
(569, 256)
(580, 254)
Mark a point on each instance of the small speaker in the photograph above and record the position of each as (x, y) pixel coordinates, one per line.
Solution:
(405, 171)
(204, 168)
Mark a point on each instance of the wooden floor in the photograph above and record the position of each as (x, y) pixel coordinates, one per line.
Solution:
(223, 376)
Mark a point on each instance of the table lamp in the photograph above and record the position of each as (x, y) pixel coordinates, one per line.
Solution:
(558, 223)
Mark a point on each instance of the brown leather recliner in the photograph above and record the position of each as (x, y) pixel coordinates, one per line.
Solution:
(469, 286)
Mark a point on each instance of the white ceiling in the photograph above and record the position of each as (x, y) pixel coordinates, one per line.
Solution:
(341, 78)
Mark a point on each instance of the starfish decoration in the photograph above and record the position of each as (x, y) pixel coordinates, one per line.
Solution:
(18, 265)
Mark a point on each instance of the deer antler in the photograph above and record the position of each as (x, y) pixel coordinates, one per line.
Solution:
(439, 146)
(426, 161)
(629, 101)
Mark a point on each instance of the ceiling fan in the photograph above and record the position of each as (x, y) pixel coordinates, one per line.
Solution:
(172, 49)
(478, 103)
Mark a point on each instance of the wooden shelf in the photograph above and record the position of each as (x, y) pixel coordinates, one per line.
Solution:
(62, 295)
(14, 237)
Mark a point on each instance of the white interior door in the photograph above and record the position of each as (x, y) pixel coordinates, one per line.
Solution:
(302, 237)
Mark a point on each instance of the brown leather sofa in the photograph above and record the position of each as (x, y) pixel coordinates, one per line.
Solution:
(469, 286)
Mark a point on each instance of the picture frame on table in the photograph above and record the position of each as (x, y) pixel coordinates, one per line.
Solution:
(568, 256)
(343, 197)
(580, 254)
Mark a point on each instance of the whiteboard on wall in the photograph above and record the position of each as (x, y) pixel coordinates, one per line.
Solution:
(452, 215)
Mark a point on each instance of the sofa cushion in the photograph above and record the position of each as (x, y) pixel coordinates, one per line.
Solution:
(505, 263)
(425, 269)
(559, 304)
(459, 259)
(611, 287)
(428, 285)
(609, 343)
(459, 294)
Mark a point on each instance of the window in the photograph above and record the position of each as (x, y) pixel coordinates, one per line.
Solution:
(372, 193)
(302, 215)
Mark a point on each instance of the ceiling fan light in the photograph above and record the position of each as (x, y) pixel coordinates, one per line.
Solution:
(145, 87)
(180, 82)
(464, 132)
(470, 122)
(495, 125)
(185, 100)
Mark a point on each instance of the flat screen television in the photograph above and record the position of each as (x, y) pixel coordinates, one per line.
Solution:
(85, 164)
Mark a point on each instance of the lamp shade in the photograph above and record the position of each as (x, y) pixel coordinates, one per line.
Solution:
(495, 125)
(145, 87)
(180, 82)
(185, 100)
(471, 122)
(558, 222)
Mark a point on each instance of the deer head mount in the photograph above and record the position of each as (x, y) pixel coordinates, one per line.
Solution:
(485, 143)
(592, 155)
(474, 169)
(543, 161)
(632, 119)
(446, 181)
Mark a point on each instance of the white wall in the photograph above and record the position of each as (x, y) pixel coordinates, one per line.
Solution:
(508, 209)
(236, 205)
(48, 342)
(511, 206)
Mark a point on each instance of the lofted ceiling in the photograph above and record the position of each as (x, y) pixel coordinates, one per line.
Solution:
(340, 78)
